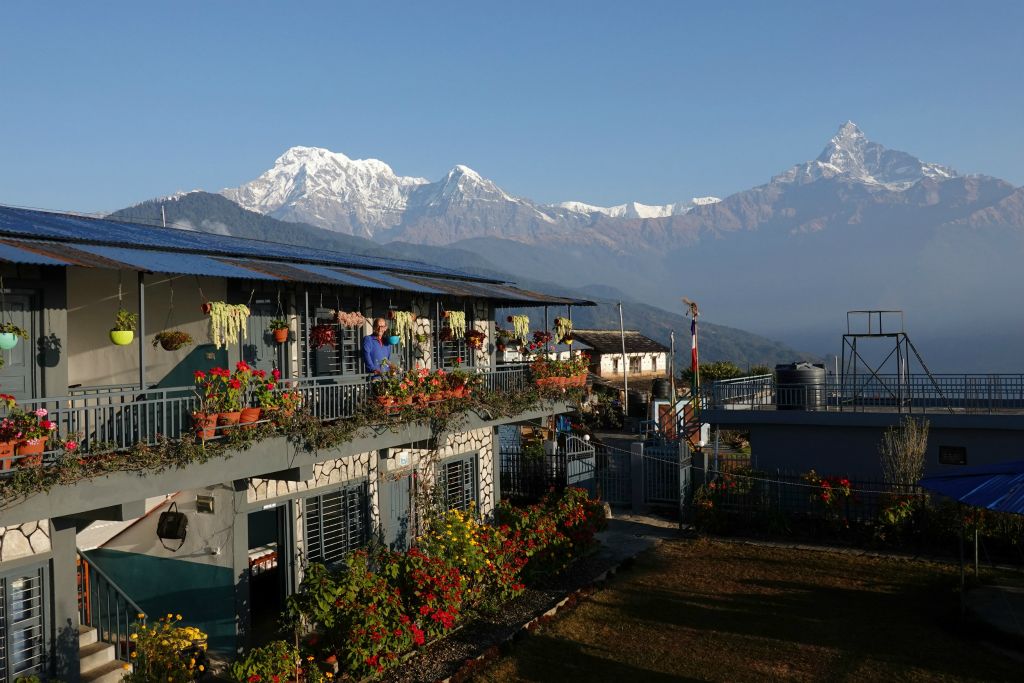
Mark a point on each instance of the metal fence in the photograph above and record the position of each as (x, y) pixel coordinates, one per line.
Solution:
(661, 473)
(917, 393)
(122, 417)
(105, 607)
(613, 475)
(751, 493)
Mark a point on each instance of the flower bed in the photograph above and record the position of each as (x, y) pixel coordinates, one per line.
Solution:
(383, 604)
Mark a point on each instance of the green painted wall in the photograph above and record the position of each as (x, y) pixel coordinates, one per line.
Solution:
(202, 594)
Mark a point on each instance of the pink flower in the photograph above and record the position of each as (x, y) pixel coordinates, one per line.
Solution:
(71, 446)
(41, 412)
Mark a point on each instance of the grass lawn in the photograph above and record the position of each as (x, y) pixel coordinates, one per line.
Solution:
(706, 610)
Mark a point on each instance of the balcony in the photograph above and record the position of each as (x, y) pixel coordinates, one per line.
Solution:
(117, 418)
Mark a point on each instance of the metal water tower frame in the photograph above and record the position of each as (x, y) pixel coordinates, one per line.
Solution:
(900, 390)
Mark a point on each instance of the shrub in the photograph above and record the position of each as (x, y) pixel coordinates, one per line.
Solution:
(164, 651)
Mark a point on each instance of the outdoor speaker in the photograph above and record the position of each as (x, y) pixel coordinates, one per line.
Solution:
(172, 525)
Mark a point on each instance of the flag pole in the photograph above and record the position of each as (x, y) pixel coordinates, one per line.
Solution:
(625, 370)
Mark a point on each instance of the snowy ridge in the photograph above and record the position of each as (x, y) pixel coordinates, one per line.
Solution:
(638, 210)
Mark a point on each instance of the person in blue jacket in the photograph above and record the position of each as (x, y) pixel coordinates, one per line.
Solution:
(376, 350)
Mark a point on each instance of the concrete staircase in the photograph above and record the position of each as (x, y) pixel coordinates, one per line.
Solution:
(97, 662)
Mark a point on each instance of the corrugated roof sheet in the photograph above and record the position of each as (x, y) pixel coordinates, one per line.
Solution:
(998, 487)
(98, 243)
(610, 341)
(43, 224)
(173, 262)
(18, 253)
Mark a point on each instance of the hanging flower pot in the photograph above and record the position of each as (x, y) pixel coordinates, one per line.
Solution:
(323, 335)
(122, 337)
(9, 334)
(206, 307)
(172, 340)
(394, 340)
(281, 336)
(123, 331)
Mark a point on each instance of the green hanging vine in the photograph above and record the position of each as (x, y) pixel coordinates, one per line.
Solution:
(402, 324)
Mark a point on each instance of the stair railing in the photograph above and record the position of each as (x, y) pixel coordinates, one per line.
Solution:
(103, 605)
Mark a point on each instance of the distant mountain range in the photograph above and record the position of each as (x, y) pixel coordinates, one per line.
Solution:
(860, 226)
(214, 213)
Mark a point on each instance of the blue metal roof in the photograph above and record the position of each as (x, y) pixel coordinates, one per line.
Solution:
(998, 487)
(19, 254)
(173, 262)
(42, 238)
(46, 225)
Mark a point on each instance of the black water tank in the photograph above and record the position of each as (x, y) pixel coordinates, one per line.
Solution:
(660, 388)
(800, 386)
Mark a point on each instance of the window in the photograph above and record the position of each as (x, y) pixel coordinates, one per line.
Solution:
(335, 524)
(456, 480)
(23, 623)
(634, 364)
(450, 348)
(615, 366)
(654, 363)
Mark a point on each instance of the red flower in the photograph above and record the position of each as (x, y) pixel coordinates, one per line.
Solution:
(199, 374)
(255, 678)
(276, 374)
(235, 384)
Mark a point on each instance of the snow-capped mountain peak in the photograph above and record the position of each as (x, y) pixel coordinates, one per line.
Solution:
(850, 155)
(638, 210)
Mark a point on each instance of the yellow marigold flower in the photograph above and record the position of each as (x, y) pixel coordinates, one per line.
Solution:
(202, 668)
(133, 655)
(178, 617)
(140, 615)
(135, 636)
(328, 674)
(126, 666)
(164, 642)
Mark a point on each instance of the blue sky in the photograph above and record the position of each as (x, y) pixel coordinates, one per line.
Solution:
(104, 104)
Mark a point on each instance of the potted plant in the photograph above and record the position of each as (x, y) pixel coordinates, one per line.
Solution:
(8, 433)
(280, 329)
(227, 323)
(323, 335)
(32, 429)
(476, 339)
(172, 340)
(353, 319)
(9, 333)
(123, 331)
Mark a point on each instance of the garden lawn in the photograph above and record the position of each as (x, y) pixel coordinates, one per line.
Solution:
(709, 610)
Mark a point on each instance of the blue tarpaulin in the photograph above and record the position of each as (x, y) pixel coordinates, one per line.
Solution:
(998, 487)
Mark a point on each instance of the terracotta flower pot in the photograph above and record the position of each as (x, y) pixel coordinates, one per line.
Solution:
(206, 425)
(281, 336)
(385, 401)
(6, 454)
(30, 453)
(229, 418)
(248, 416)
